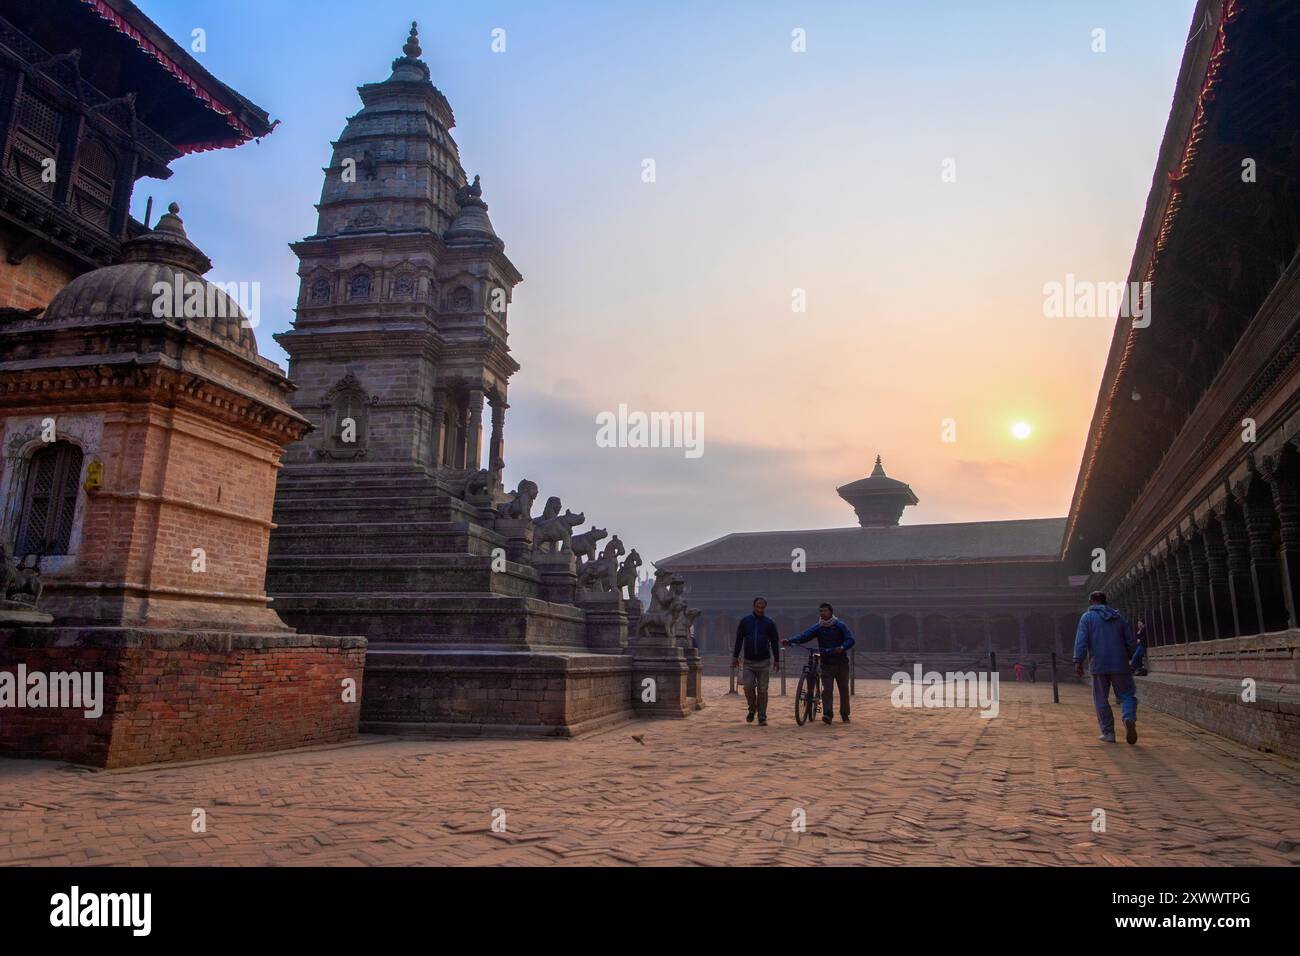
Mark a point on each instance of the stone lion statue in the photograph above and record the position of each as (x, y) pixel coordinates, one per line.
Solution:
(521, 501)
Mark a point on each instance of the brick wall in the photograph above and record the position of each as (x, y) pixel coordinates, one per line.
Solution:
(173, 696)
(33, 282)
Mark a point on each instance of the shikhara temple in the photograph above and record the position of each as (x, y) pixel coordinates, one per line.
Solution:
(258, 559)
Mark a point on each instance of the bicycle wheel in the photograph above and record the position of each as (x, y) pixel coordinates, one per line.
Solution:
(801, 712)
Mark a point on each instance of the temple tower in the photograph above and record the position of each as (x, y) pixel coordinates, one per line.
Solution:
(400, 336)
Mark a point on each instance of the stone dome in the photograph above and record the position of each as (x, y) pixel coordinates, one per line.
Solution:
(126, 291)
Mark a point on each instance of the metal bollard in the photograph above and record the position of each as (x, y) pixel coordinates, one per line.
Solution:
(733, 680)
(1056, 691)
(781, 671)
(993, 662)
(853, 672)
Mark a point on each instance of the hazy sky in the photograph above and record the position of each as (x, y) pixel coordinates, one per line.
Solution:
(775, 171)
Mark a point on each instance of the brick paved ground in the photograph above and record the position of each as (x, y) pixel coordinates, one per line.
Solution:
(915, 787)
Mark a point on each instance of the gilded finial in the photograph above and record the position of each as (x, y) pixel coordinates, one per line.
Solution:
(174, 208)
(412, 45)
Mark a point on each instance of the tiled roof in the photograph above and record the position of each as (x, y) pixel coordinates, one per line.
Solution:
(1034, 538)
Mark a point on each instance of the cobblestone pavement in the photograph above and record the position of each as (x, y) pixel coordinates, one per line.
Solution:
(892, 787)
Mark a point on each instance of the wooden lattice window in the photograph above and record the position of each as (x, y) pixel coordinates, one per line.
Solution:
(49, 499)
(35, 142)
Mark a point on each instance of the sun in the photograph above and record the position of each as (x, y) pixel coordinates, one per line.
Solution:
(1021, 430)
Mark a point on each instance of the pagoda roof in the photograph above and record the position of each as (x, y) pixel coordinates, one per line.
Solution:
(123, 51)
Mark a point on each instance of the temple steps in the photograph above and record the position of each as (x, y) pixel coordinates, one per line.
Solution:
(392, 538)
(418, 572)
(495, 620)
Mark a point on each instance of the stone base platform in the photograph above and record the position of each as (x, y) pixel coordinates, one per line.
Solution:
(438, 692)
(1203, 683)
(177, 695)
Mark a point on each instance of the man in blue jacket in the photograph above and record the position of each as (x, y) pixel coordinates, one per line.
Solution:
(834, 640)
(756, 637)
(1106, 637)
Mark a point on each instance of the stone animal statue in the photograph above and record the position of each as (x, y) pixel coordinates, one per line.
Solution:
(22, 582)
(626, 577)
(602, 572)
(521, 501)
(584, 545)
(478, 484)
(8, 570)
(551, 510)
(550, 533)
(665, 606)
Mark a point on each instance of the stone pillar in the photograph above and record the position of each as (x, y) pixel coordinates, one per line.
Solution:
(1245, 613)
(1201, 604)
(1216, 560)
(497, 443)
(1265, 571)
(1168, 599)
(1286, 502)
(559, 575)
(1184, 588)
(606, 621)
(474, 430)
(440, 436)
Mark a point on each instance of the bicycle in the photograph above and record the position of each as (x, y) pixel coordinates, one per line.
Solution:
(807, 694)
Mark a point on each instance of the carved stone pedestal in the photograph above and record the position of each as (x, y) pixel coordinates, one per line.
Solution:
(606, 621)
(518, 533)
(17, 613)
(559, 576)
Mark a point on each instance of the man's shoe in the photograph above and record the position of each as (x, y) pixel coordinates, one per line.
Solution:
(1107, 738)
(828, 720)
(844, 718)
(762, 721)
(749, 717)
(1131, 731)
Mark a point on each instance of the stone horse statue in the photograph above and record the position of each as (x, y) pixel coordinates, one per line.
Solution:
(584, 545)
(602, 572)
(521, 501)
(556, 530)
(626, 577)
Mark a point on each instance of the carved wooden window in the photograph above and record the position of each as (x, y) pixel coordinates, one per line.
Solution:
(320, 291)
(34, 146)
(49, 500)
(96, 179)
(359, 287)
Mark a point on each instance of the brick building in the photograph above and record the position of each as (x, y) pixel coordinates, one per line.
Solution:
(140, 434)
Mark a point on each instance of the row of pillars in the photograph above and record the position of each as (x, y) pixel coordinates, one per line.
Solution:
(458, 428)
(1234, 572)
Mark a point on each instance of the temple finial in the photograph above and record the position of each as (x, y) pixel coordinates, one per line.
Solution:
(879, 469)
(412, 46)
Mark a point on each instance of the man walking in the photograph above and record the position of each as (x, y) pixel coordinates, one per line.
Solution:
(1106, 637)
(834, 640)
(756, 636)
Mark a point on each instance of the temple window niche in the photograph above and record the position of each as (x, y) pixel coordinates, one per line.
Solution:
(359, 287)
(347, 408)
(320, 291)
(49, 500)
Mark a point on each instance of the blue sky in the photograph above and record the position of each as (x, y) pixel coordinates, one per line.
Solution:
(776, 171)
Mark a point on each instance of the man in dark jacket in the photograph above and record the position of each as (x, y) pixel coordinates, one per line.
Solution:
(834, 640)
(1106, 637)
(756, 637)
